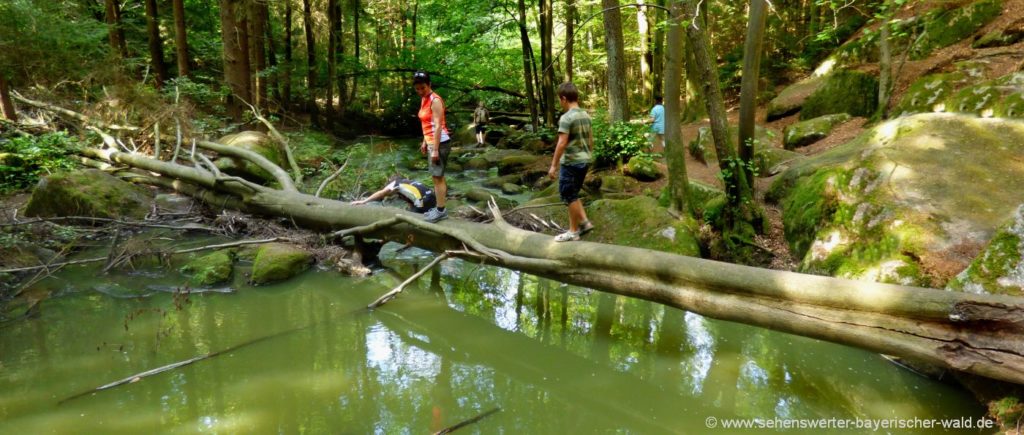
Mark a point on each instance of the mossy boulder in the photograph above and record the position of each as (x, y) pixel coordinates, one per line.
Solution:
(791, 99)
(1000, 267)
(516, 163)
(89, 192)
(616, 184)
(999, 38)
(641, 223)
(482, 196)
(495, 155)
(910, 201)
(700, 193)
(256, 142)
(210, 269)
(851, 92)
(807, 132)
(278, 262)
(17, 253)
(964, 91)
(768, 153)
(643, 169)
(928, 93)
(497, 182)
(477, 163)
(511, 189)
(944, 27)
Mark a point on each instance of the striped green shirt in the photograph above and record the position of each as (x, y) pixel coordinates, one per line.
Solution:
(576, 123)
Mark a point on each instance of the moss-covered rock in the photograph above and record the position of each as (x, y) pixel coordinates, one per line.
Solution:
(640, 222)
(851, 92)
(278, 262)
(481, 196)
(616, 184)
(511, 189)
(643, 169)
(497, 182)
(768, 153)
(516, 163)
(88, 192)
(1000, 267)
(905, 200)
(928, 93)
(966, 91)
(210, 269)
(792, 98)
(477, 163)
(945, 27)
(807, 132)
(254, 141)
(700, 193)
(999, 38)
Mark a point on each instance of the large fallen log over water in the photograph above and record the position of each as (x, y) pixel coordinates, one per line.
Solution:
(979, 334)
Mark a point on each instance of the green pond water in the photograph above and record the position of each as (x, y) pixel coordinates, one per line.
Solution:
(554, 358)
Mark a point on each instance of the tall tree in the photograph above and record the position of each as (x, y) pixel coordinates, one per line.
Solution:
(274, 81)
(570, 28)
(333, 28)
(547, 24)
(753, 48)
(675, 151)
(524, 39)
(738, 220)
(307, 20)
(258, 51)
(180, 37)
(287, 70)
(356, 10)
(236, 56)
(658, 52)
(618, 102)
(112, 15)
(156, 44)
(646, 57)
(6, 104)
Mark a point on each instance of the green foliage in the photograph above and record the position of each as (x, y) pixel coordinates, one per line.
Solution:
(618, 142)
(48, 38)
(24, 159)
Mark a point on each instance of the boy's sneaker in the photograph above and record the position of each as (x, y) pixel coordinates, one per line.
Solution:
(435, 215)
(586, 227)
(568, 236)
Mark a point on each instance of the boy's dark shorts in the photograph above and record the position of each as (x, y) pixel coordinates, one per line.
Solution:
(437, 169)
(480, 128)
(570, 181)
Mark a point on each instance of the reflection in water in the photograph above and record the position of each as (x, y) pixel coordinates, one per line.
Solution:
(555, 358)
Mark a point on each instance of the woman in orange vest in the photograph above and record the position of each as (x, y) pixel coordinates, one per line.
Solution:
(436, 142)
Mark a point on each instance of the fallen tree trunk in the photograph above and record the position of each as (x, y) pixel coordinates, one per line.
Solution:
(979, 334)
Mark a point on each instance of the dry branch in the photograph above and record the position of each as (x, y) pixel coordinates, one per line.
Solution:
(395, 291)
(71, 114)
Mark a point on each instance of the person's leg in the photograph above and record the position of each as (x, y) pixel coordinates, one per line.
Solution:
(659, 142)
(441, 190)
(576, 215)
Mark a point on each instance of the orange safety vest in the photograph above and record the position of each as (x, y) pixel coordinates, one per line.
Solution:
(426, 115)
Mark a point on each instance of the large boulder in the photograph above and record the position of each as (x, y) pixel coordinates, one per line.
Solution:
(1000, 267)
(278, 262)
(643, 169)
(210, 269)
(843, 91)
(641, 223)
(965, 91)
(911, 201)
(946, 26)
(88, 192)
(792, 98)
(254, 141)
(768, 152)
(517, 163)
(807, 132)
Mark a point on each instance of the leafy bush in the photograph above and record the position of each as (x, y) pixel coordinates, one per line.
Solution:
(618, 142)
(23, 160)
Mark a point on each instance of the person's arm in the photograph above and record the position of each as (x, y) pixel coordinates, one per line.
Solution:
(377, 196)
(563, 141)
(438, 111)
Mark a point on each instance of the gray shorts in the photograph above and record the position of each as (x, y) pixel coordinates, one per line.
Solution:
(437, 169)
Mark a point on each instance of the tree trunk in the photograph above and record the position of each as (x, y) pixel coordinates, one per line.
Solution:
(658, 55)
(236, 73)
(979, 334)
(675, 149)
(274, 81)
(156, 44)
(307, 20)
(115, 33)
(415, 19)
(748, 86)
(180, 37)
(333, 26)
(258, 52)
(524, 38)
(547, 24)
(6, 104)
(286, 73)
(356, 9)
(618, 101)
(644, 31)
(738, 220)
(884, 70)
(570, 29)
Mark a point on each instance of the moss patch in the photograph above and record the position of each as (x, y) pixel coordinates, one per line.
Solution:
(894, 204)
(640, 222)
(945, 27)
(253, 141)
(210, 269)
(1000, 267)
(642, 169)
(851, 92)
(807, 132)
(792, 98)
(279, 261)
(89, 192)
